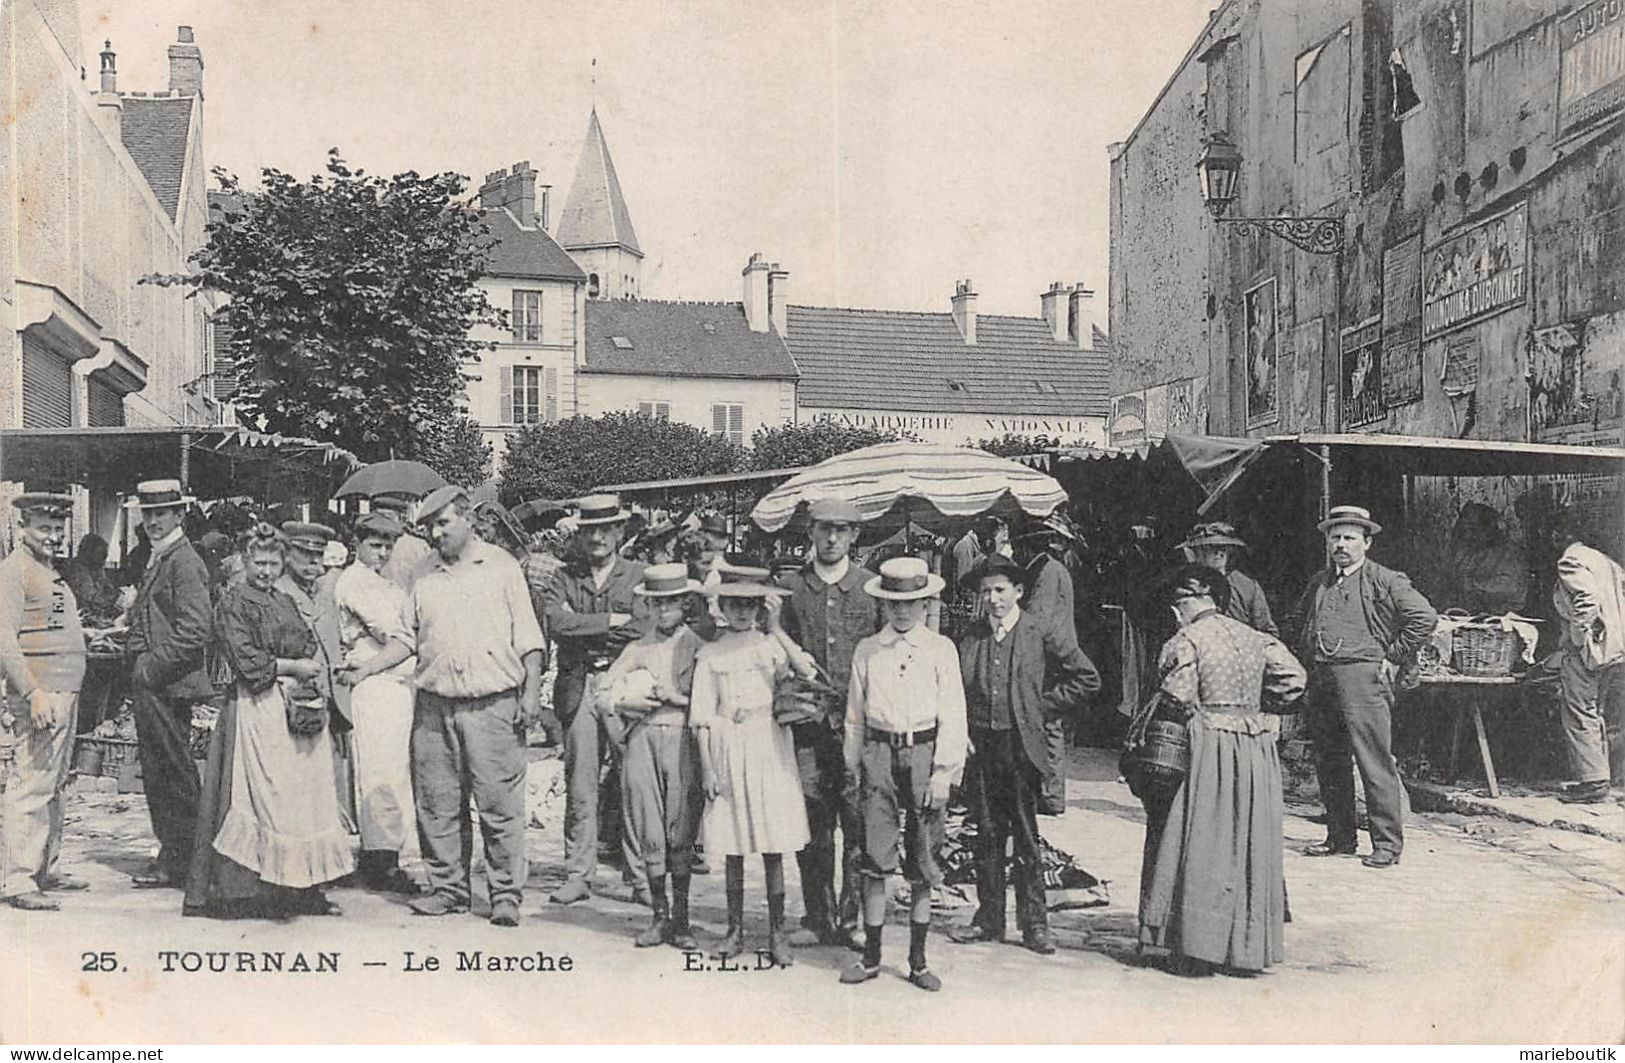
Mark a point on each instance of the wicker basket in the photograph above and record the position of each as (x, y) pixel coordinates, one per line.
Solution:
(116, 752)
(1483, 650)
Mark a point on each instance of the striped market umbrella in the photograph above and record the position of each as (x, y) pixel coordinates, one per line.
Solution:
(924, 483)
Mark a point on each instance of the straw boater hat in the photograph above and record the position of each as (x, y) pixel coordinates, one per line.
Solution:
(160, 494)
(904, 579)
(1217, 533)
(599, 509)
(311, 537)
(666, 581)
(738, 581)
(1356, 515)
(52, 505)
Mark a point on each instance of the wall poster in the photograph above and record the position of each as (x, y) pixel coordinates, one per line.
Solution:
(1308, 352)
(1574, 381)
(1360, 374)
(1402, 323)
(1263, 355)
(1477, 273)
(1591, 65)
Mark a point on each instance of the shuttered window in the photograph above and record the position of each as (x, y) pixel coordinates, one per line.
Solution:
(528, 394)
(659, 410)
(47, 388)
(728, 419)
(106, 406)
(527, 317)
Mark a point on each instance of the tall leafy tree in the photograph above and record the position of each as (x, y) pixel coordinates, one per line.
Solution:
(351, 300)
(564, 459)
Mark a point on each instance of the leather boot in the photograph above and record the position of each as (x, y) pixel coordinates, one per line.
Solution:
(733, 943)
(659, 929)
(682, 935)
(778, 942)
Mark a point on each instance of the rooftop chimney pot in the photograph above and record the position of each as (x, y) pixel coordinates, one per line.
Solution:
(964, 304)
(755, 274)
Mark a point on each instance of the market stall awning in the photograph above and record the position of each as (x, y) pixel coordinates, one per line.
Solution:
(1214, 462)
(216, 461)
(1433, 456)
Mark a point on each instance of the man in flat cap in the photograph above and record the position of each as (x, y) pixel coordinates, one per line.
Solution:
(42, 651)
(828, 614)
(171, 624)
(479, 647)
(592, 614)
(1362, 624)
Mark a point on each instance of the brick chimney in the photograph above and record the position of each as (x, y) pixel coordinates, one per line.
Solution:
(1078, 326)
(109, 105)
(1053, 306)
(778, 298)
(185, 65)
(965, 310)
(493, 191)
(756, 309)
(519, 193)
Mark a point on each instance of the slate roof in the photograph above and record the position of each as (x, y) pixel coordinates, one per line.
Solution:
(154, 130)
(901, 360)
(595, 213)
(527, 253)
(681, 339)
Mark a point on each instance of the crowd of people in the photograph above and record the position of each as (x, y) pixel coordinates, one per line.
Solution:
(714, 709)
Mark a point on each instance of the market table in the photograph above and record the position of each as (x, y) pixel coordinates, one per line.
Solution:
(1457, 691)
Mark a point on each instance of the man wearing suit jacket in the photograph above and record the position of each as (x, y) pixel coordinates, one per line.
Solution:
(170, 627)
(1361, 625)
(1019, 672)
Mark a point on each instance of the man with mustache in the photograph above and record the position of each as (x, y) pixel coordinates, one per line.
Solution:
(1361, 624)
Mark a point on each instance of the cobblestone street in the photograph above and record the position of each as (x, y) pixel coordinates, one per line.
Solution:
(1489, 931)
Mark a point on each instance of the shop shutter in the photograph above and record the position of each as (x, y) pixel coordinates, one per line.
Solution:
(505, 395)
(106, 406)
(47, 388)
(551, 388)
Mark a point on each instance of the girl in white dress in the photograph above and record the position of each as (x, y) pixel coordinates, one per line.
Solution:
(747, 758)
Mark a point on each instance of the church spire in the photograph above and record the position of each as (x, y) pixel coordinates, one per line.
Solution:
(595, 214)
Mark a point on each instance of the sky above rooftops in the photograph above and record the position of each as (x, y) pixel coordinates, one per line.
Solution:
(878, 151)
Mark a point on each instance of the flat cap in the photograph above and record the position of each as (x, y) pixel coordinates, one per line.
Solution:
(312, 537)
(378, 526)
(46, 502)
(834, 511)
(439, 499)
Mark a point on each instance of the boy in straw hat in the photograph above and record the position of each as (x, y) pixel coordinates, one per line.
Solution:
(905, 740)
(649, 686)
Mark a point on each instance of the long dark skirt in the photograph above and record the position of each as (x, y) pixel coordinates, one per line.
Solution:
(1215, 888)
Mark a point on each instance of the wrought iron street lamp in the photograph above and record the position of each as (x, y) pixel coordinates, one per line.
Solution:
(1220, 170)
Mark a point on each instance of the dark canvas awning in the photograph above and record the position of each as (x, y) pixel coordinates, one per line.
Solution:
(215, 461)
